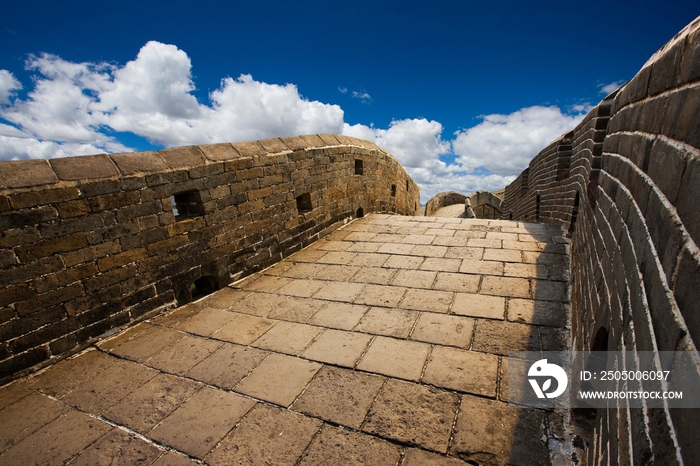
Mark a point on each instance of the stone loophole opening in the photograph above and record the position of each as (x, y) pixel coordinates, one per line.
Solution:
(187, 205)
(360, 213)
(304, 203)
(204, 286)
(393, 190)
(358, 167)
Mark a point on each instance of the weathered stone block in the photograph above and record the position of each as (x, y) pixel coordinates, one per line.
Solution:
(81, 168)
(26, 173)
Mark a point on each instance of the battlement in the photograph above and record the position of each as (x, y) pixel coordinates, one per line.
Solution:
(94, 243)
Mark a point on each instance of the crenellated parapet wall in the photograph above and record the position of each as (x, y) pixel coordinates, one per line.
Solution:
(625, 183)
(93, 243)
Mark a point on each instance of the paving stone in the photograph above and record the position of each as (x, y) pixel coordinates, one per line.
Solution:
(470, 234)
(118, 448)
(376, 275)
(258, 304)
(404, 262)
(98, 394)
(302, 288)
(26, 416)
(471, 254)
(521, 245)
(338, 347)
(206, 322)
(429, 251)
(440, 231)
(481, 267)
(390, 322)
(477, 305)
(184, 355)
(462, 370)
(270, 283)
(339, 291)
(225, 298)
(544, 258)
(379, 295)
(459, 282)
(340, 396)
(278, 379)
(58, 441)
(368, 260)
(414, 278)
(67, 375)
(525, 270)
(395, 358)
(280, 268)
(364, 247)
(145, 345)
(554, 339)
(497, 337)
(492, 433)
(360, 236)
(427, 300)
(413, 414)
(172, 458)
(528, 311)
(152, 402)
(416, 457)
(169, 319)
(400, 248)
(208, 416)
(243, 329)
(503, 255)
(340, 273)
(441, 265)
(228, 365)
(485, 243)
(296, 309)
(546, 290)
(337, 257)
(339, 446)
(505, 286)
(335, 245)
(288, 337)
(308, 255)
(418, 239)
(341, 316)
(15, 391)
(267, 435)
(444, 329)
(453, 241)
(303, 270)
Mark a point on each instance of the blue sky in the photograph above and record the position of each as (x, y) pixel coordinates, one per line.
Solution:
(462, 93)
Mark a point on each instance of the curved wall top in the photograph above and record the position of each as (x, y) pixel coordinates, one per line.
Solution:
(92, 243)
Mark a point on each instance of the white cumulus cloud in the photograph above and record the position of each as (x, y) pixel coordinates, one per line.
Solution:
(505, 144)
(76, 108)
(8, 84)
(609, 88)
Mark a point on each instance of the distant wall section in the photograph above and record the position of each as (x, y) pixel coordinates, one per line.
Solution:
(93, 243)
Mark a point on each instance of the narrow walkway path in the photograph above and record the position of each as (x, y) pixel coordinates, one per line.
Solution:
(450, 211)
(383, 344)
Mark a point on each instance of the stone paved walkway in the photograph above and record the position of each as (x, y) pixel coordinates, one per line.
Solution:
(383, 344)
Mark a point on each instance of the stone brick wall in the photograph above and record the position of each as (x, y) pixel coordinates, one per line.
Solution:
(625, 183)
(443, 200)
(93, 243)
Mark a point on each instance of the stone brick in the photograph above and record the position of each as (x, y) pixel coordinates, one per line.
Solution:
(118, 444)
(490, 432)
(339, 396)
(227, 366)
(26, 173)
(149, 404)
(395, 358)
(266, 435)
(278, 379)
(389, 322)
(413, 414)
(443, 329)
(338, 348)
(139, 162)
(93, 167)
(464, 371)
(209, 414)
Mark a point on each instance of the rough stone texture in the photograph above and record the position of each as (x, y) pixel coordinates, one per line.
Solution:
(624, 185)
(363, 383)
(95, 243)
